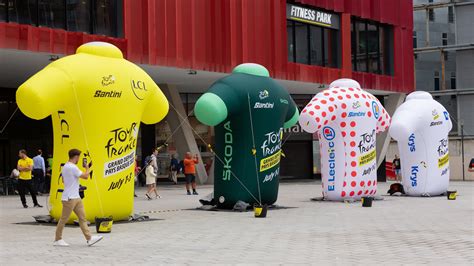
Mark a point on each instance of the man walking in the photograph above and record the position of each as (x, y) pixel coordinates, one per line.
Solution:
(39, 171)
(25, 166)
(190, 172)
(71, 200)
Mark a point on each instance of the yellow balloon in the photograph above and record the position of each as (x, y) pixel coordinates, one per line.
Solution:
(96, 100)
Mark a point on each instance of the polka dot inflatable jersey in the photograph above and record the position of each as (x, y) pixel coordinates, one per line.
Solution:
(346, 120)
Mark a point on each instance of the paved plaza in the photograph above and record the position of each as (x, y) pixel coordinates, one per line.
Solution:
(396, 230)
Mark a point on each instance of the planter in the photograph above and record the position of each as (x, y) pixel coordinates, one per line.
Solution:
(451, 194)
(367, 201)
(103, 224)
(260, 211)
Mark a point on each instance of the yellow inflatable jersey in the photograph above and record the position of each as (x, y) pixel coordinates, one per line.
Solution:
(96, 100)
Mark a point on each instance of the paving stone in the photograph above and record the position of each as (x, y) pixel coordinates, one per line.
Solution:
(396, 230)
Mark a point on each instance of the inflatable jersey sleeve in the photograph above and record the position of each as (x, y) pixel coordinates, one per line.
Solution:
(292, 114)
(403, 127)
(317, 113)
(157, 106)
(383, 119)
(216, 105)
(44, 93)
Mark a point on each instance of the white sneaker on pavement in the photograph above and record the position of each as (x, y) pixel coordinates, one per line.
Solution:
(60, 243)
(93, 240)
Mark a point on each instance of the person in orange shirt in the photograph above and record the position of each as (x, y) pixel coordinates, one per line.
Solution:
(190, 171)
(25, 166)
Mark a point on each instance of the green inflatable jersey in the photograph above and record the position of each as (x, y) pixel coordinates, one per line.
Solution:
(249, 111)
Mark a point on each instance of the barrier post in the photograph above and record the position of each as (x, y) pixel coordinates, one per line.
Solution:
(462, 152)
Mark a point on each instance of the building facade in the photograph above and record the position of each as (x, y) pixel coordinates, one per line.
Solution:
(185, 45)
(443, 42)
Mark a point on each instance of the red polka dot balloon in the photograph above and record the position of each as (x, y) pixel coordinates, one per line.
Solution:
(349, 119)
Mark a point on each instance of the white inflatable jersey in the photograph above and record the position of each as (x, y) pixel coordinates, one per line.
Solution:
(346, 119)
(421, 126)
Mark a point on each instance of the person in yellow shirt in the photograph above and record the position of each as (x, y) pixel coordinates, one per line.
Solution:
(25, 166)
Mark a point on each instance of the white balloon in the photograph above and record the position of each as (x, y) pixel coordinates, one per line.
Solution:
(421, 126)
(346, 119)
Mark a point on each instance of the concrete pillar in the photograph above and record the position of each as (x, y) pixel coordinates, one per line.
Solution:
(183, 133)
(392, 101)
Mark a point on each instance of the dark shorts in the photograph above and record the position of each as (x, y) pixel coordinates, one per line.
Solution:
(190, 178)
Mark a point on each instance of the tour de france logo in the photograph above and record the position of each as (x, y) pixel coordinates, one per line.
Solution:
(328, 133)
(375, 110)
(263, 94)
(108, 80)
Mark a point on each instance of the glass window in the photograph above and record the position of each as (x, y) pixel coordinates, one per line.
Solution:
(450, 14)
(313, 45)
(3, 10)
(353, 46)
(431, 14)
(386, 50)
(78, 15)
(331, 48)
(301, 43)
(290, 32)
(52, 13)
(415, 45)
(316, 44)
(101, 17)
(436, 81)
(23, 12)
(105, 22)
(444, 37)
(453, 80)
(361, 48)
(373, 48)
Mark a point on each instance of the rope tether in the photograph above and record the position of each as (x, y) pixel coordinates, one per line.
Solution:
(254, 150)
(87, 144)
(217, 156)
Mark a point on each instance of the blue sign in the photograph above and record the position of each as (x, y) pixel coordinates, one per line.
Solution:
(446, 115)
(329, 133)
(375, 110)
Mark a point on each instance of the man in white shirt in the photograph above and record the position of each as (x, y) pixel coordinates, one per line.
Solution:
(39, 172)
(71, 200)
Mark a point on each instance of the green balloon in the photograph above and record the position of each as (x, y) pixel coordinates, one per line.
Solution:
(249, 111)
(210, 109)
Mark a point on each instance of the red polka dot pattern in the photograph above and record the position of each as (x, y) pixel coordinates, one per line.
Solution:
(341, 109)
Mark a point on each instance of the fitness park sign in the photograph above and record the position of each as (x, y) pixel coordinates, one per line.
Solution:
(312, 16)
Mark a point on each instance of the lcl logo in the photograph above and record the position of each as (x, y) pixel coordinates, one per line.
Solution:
(138, 88)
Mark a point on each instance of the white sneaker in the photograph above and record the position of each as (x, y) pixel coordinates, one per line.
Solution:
(93, 240)
(60, 243)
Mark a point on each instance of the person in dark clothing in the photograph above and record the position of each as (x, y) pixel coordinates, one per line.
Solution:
(25, 166)
(471, 166)
(39, 172)
(397, 167)
(174, 168)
